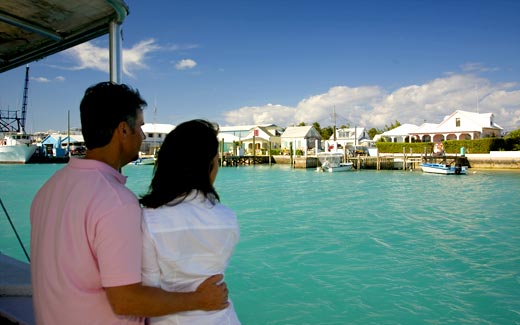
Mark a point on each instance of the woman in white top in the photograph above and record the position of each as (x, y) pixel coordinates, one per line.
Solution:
(188, 235)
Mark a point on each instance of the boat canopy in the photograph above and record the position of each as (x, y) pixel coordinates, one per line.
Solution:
(33, 29)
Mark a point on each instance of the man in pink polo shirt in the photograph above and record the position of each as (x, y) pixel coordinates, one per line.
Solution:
(85, 228)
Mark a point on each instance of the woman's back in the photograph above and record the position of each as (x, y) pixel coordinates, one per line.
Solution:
(183, 245)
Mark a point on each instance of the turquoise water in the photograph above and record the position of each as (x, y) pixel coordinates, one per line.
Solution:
(360, 247)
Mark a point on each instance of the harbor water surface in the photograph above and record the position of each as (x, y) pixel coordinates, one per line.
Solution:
(359, 247)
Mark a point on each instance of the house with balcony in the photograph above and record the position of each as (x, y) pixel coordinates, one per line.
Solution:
(238, 139)
(155, 134)
(460, 125)
(261, 140)
(345, 137)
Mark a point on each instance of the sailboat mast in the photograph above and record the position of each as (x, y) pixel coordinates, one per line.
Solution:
(21, 123)
(334, 116)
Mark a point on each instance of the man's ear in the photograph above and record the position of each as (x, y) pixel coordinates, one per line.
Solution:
(123, 128)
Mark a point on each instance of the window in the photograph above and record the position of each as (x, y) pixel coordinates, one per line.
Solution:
(457, 122)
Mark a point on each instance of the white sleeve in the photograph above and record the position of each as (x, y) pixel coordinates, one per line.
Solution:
(150, 271)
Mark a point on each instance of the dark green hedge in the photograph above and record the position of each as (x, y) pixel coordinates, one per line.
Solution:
(482, 145)
(453, 146)
(397, 147)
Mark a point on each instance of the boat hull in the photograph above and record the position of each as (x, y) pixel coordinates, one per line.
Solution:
(16, 154)
(444, 169)
(332, 162)
(143, 161)
(343, 167)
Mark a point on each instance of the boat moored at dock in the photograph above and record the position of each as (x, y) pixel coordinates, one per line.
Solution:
(333, 162)
(444, 169)
(16, 148)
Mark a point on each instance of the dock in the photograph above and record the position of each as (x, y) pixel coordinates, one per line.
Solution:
(235, 161)
(380, 162)
(16, 305)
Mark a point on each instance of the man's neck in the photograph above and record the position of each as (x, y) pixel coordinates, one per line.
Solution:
(107, 155)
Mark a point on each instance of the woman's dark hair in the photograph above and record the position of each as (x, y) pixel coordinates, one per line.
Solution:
(184, 162)
(103, 107)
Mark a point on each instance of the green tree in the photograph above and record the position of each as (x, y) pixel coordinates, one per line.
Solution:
(326, 132)
(392, 126)
(301, 124)
(317, 126)
(514, 134)
(372, 132)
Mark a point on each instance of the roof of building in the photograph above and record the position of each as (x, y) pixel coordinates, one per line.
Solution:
(401, 130)
(227, 137)
(298, 131)
(157, 128)
(234, 128)
(33, 29)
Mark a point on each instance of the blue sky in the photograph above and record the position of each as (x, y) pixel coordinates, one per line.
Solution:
(291, 61)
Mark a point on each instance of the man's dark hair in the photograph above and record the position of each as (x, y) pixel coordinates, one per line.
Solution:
(174, 176)
(103, 107)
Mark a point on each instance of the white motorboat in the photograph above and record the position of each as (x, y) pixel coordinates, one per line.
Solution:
(333, 162)
(143, 161)
(444, 169)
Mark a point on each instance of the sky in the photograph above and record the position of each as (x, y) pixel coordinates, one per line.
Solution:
(284, 62)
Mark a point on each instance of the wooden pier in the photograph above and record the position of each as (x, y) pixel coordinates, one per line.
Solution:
(235, 161)
(380, 162)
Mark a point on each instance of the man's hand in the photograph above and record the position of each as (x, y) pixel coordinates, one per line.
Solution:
(213, 293)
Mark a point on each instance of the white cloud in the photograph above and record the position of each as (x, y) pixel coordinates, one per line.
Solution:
(266, 114)
(371, 106)
(185, 64)
(40, 79)
(134, 58)
(90, 56)
(476, 67)
(59, 78)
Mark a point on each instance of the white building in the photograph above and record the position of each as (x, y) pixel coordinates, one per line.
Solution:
(239, 138)
(155, 134)
(261, 139)
(460, 125)
(302, 138)
(399, 134)
(349, 136)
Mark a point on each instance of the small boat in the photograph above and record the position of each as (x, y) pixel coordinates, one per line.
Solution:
(143, 161)
(444, 169)
(332, 162)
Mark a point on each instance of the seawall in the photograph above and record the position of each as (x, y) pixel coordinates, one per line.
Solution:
(495, 159)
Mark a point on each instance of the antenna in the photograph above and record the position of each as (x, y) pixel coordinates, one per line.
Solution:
(476, 91)
(334, 116)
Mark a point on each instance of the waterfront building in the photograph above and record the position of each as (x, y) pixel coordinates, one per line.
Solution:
(261, 139)
(304, 138)
(399, 134)
(459, 125)
(350, 136)
(59, 145)
(239, 138)
(155, 134)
